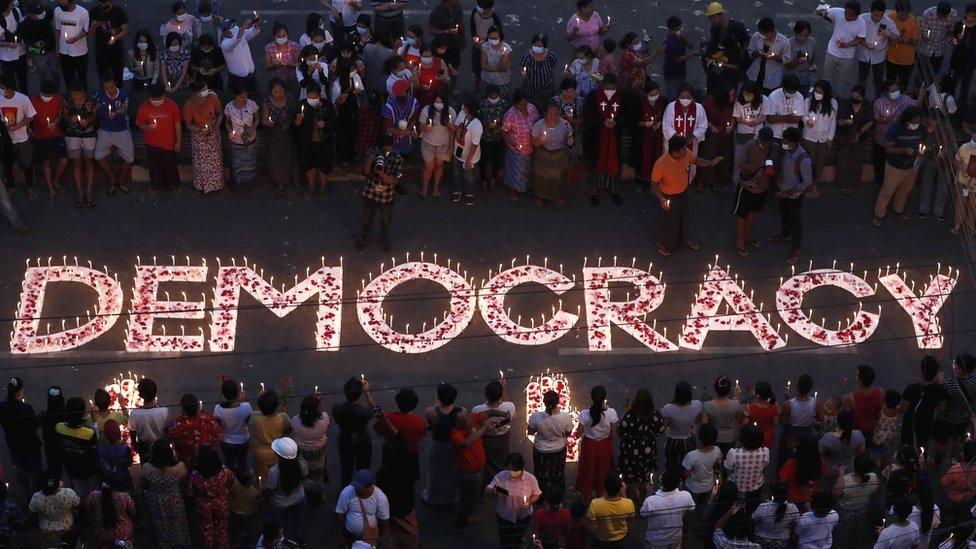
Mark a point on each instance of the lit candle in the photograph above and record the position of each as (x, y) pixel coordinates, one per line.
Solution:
(525, 70)
(262, 386)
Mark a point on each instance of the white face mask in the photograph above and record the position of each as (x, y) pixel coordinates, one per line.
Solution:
(480, 9)
(318, 45)
(206, 18)
(494, 100)
(156, 102)
(234, 30)
(637, 46)
(142, 46)
(313, 102)
(609, 93)
(786, 147)
(913, 127)
(494, 41)
(789, 95)
(204, 93)
(206, 50)
(652, 97)
(685, 102)
(818, 96)
(407, 40)
(538, 50)
(174, 49)
(281, 40)
(895, 95)
(438, 106)
(41, 16)
(46, 98)
(361, 30)
(403, 74)
(181, 17)
(426, 60)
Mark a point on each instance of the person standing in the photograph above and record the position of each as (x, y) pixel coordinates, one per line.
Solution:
(497, 440)
(669, 183)
(441, 486)
(164, 477)
(399, 471)
(538, 66)
(601, 139)
(388, 17)
(902, 146)
(110, 24)
(437, 123)
(241, 120)
(469, 458)
(962, 61)
(550, 429)
(143, 62)
(37, 35)
(192, 429)
(160, 120)
(147, 423)
(900, 60)
(678, 49)
(71, 22)
(517, 129)
(203, 117)
(794, 177)
(237, 52)
(749, 117)
(610, 515)
(80, 118)
(18, 112)
(634, 61)
(352, 418)
(113, 512)
(399, 116)
(819, 127)
(803, 53)
(76, 444)
(965, 178)
(207, 63)
(935, 30)
(277, 114)
(769, 50)
(209, 487)
(174, 67)
(265, 428)
(597, 429)
(233, 414)
(518, 491)
(382, 170)
(286, 486)
(855, 118)
(446, 23)
(933, 181)
(639, 428)
(363, 510)
(182, 23)
(954, 419)
(786, 106)
(815, 528)
(745, 465)
(13, 59)
(483, 18)
(665, 512)
(114, 133)
(686, 117)
(726, 49)
(315, 136)
(871, 53)
(281, 56)
(49, 148)
(55, 507)
(647, 143)
(552, 137)
(840, 63)
(586, 26)
(20, 428)
(719, 108)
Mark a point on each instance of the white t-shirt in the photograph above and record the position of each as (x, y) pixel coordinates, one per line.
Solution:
(15, 110)
(376, 505)
(780, 105)
(815, 532)
(470, 131)
(279, 498)
(506, 407)
(234, 421)
(438, 134)
(238, 56)
(551, 431)
(898, 537)
(665, 514)
(12, 54)
(846, 31)
(601, 430)
(879, 43)
(748, 112)
(347, 13)
(149, 424)
(701, 468)
(71, 24)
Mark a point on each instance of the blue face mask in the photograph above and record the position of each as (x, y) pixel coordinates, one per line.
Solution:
(538, 50)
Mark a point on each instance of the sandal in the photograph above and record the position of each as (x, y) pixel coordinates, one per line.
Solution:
(954, 231)
(49, 200)
(780, 238)
(111, 190)
(693, 245)
(742, 252)
(91, 203)
(125, 189)
(455, 197)
(79, 204)
(663, 250)
(422, 195)
(753, 243)
(700, 188)
(280, 191)
(876, 222)
(906, 216)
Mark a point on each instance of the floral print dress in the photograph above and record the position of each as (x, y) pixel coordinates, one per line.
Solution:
(165, 495)
(174, 63)
(638, 446)
(281, 151)
(211, 496)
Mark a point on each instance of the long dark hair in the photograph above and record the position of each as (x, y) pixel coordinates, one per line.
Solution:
(824, 106)
(344, 68)
(150, 52)
(110, 517)
(780, 494)
(162, 454)
(682, 393)
(445, 112)
(309, 412)
(55, 401)
(765, 392)
(312, 22)
(757, 94)
(845, 421)
(208, 462)
(809, 463)
(599, 396)
(289, 474)
(642, 405)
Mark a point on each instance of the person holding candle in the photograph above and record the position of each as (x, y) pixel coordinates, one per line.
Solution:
(469, 458)
(570, 104)
(586, 26)
(819, 127)
(441, 486)
(80, 136)
(347, 95)
(413, 40)
(309, 428)
(585, 70)
(774, 519)
(143, 62)
(432, 75)
(437, 126)
(797, 417)
(182, 23)
(210, 488)
(900, 59)
(496, 55)
(315, 133)
(204, 117)
(241, 121)
(678, 49)
(403, 432)
(492, 109)
(855, 118)
(769, 50)
(12, 53)
(237, 52)
(264, 429)
(719, 108)
(192, 429)
(687, 118)
(763, 411)
(550, 430)
(933, 181)
(794, 177)
(207, 63)
(518, 491)
(602, 111)
(538, 71)
(468, 131)
(382, 169)
(208, 13)
(597, 429)
(110, 24)
(726, 57)
(965, 179)
(147, 423)
(517, 130)
(749, 113)
(314, 23)
(114, 133)
(669, 183)
(281, 56)
(849, 31)
(887, 108)
(76, 443)
(665, 512)
(160, 120)
(903, 143)
(483, 19)
(285, 484)
(71, 24)
(233, 413)
(935, 30)
(164, 477)
(399, 115)
(49, 145)
(552, 137)
(803, 54)
(786, 106)
(37, 35)
(311, 67)
(871, 53)
(175, 64)
(634, 61)
(446, 22)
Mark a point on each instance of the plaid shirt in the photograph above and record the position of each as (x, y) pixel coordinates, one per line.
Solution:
(746, 467)
(376, 189)
(368, 122)
(518, 128)
(935, 32)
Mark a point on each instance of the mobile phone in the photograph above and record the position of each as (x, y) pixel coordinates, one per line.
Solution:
(501, 490)
(884, 26)
(505, 421)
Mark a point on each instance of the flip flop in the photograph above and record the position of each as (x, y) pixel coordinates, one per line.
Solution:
(742, 252)
(663, 250)
(876, 222)
(91, 203)
(779, 238)
(693, 245)
(753, 243)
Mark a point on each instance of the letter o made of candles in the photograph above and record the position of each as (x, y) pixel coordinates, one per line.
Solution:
(370, 307)
(491, 300)
(789, 303)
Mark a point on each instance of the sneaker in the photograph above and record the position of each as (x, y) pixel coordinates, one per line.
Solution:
(361, 245)
(616, 199)
(385, 244)
(921, 215)
(594, 200)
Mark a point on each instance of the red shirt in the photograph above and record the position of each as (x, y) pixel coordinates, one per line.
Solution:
(46, 111)
(190, 433)
(166, 116)
(866, 408)
(411, 426)
(471, 459)
(799, 493)
(553, 521)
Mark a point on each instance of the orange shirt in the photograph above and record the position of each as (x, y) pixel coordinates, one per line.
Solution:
(904, 54)
(671, 173)
(202, 110)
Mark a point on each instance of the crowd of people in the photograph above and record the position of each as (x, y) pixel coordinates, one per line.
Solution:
(364, 93)
(743, 466)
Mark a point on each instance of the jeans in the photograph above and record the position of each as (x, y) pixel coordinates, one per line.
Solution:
(235, 455)
(75, 69)
(354, 454)
(16, 69)
(46, 66)
(877, 75)
(9, 211)
(931, 180)
(467, 180)
(370, 208)
(790, 214)
(292, 520)
(841, 73)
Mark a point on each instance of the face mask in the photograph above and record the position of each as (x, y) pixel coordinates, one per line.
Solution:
(438, 106)
(318, 45)
(685, 102)
(494, 41)
(818, 96)
(156, 102)
(46, 98)
(206, 19)
(181, 17)
(480, 9)
(41, 16)
(789, 95)
(538, 50)
(895, 95)
(653, 97)
(609, 93)
(426, 60)
(681, 30)
(403, 74)
(174, 49)
(856, 101)
(637, 46)
(313, 102)
(361, 30)
(408, 41)
(234, 30)
(494, 100)
(786, 147)
(142, 46)
(913, 127)
(281, 40)
(204, 93)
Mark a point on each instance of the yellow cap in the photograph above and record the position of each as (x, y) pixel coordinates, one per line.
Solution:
(714, 8)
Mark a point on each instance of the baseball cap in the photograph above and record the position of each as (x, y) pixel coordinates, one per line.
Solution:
(285, 447)
(714, 8)
(227, 24)
(362, 479)
(766, 134)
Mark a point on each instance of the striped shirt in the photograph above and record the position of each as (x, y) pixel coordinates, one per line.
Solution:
(934, 32)
(538, 79)
(962, 399)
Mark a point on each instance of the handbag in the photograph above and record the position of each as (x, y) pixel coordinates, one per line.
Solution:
(371, 534)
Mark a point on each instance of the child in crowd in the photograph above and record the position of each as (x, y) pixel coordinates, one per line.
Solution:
(699, 468)
(608, 63)
(552, 518)
(827, 421)
(11, 519)
(114, 457)
(100, 414)
(886, 427)
(368, 122)
(243, 506)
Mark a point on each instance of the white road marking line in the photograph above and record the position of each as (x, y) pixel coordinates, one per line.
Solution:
(739, 350)
(305, 12)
